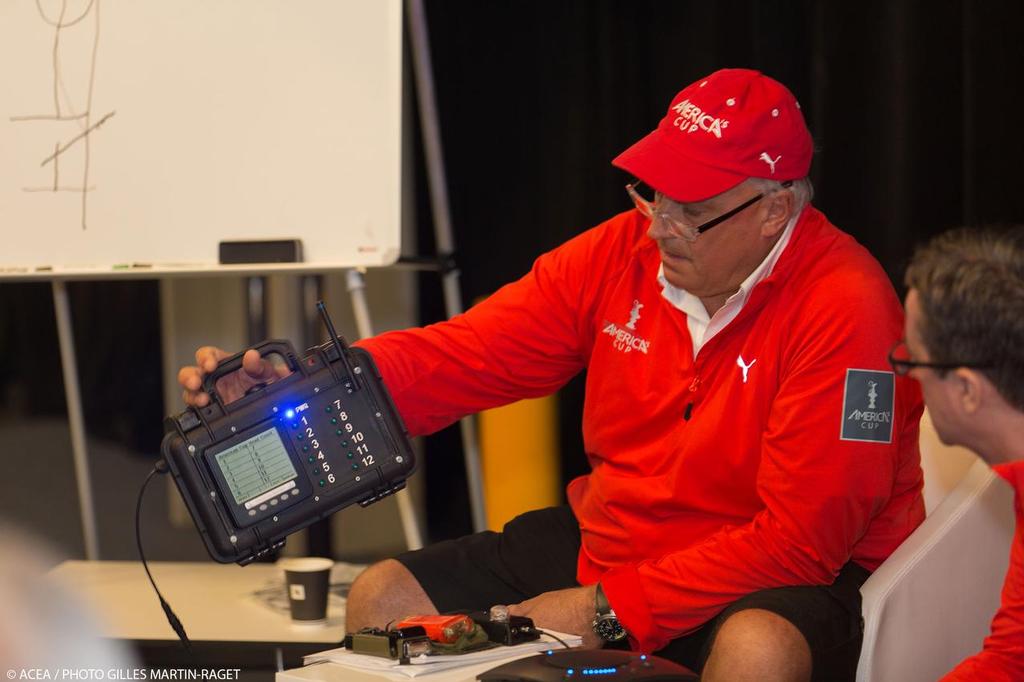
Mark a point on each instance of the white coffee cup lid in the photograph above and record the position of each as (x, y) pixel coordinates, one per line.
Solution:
(305, 564)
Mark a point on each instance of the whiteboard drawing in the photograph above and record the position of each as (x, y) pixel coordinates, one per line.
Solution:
(76, 33)
(145, 132)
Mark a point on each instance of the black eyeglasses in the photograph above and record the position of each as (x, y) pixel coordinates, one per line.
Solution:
(899, 358)
(660, 208)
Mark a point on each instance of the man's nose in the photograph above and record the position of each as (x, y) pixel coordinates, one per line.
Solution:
(659, 229)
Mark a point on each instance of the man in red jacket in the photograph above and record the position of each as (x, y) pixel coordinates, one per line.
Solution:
(753, 457)
(965, 345)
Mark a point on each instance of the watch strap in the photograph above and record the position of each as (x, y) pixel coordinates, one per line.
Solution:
(601, 605)
(606, 625)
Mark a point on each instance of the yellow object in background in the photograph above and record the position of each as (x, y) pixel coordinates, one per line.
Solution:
(520, 461)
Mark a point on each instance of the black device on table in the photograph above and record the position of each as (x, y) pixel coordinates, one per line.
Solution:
(400, 644)
(289, 452)
(508, 631)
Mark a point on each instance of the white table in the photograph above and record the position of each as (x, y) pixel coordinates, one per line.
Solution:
(227, 624)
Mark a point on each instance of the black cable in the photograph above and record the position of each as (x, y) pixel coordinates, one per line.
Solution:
(553, 636)
(179, 629)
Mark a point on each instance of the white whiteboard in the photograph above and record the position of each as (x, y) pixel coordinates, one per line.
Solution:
(189, 122)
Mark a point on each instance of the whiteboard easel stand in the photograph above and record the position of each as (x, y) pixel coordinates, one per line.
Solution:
(356, 285)
(76, 423)
(256, 305)
(423, 72)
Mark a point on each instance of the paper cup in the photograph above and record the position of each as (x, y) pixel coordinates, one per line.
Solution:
(307, 580)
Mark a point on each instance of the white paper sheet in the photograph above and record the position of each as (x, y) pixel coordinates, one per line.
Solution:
(425, 665)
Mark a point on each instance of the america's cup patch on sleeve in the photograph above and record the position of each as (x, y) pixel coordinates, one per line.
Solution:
(868, 400)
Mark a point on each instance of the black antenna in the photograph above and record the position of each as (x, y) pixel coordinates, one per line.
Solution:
(339, 342)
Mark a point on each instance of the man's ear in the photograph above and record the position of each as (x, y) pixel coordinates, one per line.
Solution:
(973, 389)
(778, 212)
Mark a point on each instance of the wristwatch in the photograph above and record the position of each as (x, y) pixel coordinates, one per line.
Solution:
(606, 625)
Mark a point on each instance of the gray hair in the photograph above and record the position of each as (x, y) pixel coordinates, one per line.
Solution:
(802, 189)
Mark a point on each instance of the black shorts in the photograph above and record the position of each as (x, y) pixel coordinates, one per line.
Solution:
(536, 552)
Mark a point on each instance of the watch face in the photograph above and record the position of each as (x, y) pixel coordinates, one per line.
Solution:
(608, 629)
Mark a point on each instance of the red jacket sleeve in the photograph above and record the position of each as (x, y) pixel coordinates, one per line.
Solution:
(524, 341)
(1002, 657)
(820, 493)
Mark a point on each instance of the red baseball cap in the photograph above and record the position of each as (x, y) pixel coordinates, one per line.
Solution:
(733, 125)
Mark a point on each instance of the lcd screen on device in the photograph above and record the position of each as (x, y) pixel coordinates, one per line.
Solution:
(255, 465)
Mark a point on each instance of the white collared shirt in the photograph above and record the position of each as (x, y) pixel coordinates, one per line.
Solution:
(702, 327)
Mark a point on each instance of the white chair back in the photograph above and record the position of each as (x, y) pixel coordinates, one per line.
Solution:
(930, 604)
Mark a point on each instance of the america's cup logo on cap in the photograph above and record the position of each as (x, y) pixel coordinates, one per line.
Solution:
(692, 118)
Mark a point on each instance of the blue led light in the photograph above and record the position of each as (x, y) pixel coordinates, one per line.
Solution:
(570, 671)
(288, 414)
(643, 657)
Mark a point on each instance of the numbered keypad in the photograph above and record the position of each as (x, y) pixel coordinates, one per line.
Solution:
(334, 444)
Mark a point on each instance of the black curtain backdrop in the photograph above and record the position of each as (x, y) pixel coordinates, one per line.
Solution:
(914, 107)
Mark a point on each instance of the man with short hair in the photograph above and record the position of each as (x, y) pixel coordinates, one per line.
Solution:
(752, 457)
(965, 346)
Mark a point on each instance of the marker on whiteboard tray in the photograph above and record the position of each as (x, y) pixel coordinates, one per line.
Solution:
(76, 269)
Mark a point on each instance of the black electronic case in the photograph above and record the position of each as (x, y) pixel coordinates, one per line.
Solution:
(288, 453)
